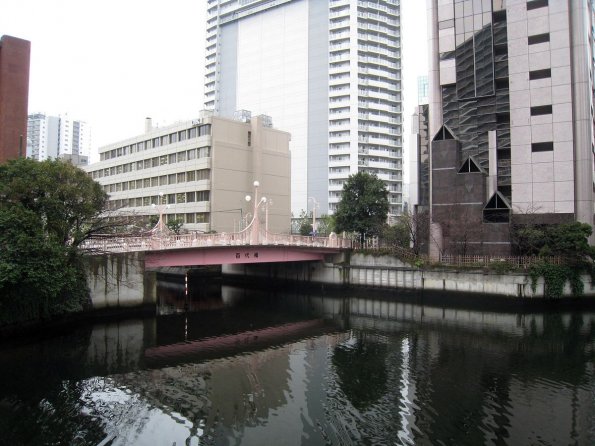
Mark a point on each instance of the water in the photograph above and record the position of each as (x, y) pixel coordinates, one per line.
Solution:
(265, 368)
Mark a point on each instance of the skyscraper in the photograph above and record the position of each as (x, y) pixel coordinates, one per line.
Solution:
(58, 137)
(14, 96)
(511, 117)
(327, 71)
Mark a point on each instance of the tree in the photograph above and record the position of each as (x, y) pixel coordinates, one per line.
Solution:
(175, 225)
(46, 210)
(66, 200)
(364, 205)
(413, 229)
(305, 223)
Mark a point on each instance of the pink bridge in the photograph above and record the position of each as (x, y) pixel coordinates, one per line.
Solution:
(249, 246)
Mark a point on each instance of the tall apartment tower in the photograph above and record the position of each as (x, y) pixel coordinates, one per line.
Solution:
(327, 71)
(511, 118)
(14, 96)
(58, 137)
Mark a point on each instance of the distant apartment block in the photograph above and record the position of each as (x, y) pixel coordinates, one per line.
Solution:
(511, 117)
(200, 172)
(58, 137)
(329, 72)
(14, 96)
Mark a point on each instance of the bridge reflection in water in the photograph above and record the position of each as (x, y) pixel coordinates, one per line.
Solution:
(288, 368)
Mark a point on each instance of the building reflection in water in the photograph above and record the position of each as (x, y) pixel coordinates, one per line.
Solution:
(254, 367)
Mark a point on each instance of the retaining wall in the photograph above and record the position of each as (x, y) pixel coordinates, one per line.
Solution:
(120, 280)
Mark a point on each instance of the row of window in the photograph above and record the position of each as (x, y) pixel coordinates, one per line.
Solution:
(157, 161)
(192, 217)
(178, 198)
(159, 141)
(162, 180)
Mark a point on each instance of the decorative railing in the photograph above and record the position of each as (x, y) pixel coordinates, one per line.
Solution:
(163, 241)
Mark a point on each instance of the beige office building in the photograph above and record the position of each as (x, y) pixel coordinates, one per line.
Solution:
(200, 172)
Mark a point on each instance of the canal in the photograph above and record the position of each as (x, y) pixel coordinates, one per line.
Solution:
(227, 365)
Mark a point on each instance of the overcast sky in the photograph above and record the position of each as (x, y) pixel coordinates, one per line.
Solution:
(113, 63)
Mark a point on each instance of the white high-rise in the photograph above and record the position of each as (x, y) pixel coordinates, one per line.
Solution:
(327, 71)
(58, 137)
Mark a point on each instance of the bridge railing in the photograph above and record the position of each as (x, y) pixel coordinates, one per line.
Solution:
(173, 241)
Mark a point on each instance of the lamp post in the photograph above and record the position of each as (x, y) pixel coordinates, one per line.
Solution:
(314, 206)
(254, 234)
(160, 207)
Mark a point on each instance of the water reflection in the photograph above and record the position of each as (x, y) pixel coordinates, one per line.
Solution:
(255, 367)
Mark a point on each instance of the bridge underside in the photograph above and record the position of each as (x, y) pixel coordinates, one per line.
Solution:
(230, 255)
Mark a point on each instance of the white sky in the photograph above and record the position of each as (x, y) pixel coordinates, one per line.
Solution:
(113, 63)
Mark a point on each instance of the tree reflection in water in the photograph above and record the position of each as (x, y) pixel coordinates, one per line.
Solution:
(360, 364)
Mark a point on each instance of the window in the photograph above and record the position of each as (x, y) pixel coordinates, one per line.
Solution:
(204, 152)
(202, 217)
(181, 197)
(182, 177)
(204, 130)
(541, 110)
(534, 4)
(147, 182)
(172, 178)
(163, 160)
(147, 164)
(172, 158)
(540, 74)
(191, 154)
(191, 175)
(155, 162)
(190, 197)
(181, 156)
(171, 198)
(154, 181)
(542, 147)
(203, 174)
(249, 139)
(190, 218)
(538, 38)
(202, 195)
(163, 180)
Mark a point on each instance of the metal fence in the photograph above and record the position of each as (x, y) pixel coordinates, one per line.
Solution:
(519, 262)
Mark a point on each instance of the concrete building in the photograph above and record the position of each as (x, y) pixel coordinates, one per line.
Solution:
(511, 117)
(14, 96)
(329, 71)
(58, 137)
(200, 172)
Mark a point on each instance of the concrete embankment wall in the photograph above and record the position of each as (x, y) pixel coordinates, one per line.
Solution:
(120, 281)
(390, 273)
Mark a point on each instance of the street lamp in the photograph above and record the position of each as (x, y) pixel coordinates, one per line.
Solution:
(255, 221)
(314, 206)
(160, 207)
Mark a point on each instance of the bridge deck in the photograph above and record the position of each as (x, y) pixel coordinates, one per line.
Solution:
(216, 249)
